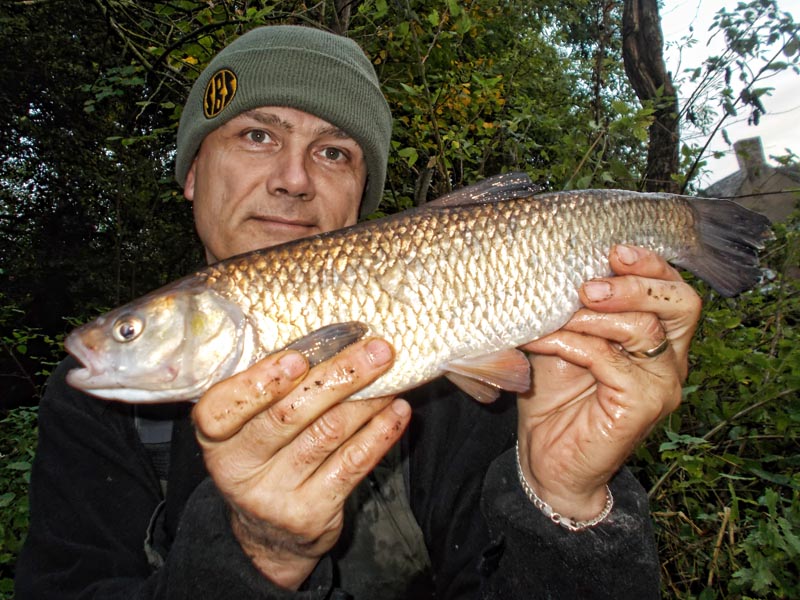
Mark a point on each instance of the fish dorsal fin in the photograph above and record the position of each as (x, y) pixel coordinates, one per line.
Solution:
(483, 376)
(326, 342)
(506, 186)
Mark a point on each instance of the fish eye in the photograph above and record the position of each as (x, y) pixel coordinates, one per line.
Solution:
(127, 328)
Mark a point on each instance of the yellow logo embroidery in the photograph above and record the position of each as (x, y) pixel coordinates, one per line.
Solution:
(219, 92)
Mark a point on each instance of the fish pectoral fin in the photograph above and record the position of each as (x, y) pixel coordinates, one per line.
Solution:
(483, 376)
(326, 342)
(506, 186)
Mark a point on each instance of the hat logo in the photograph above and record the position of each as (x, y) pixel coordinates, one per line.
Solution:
(219, 93)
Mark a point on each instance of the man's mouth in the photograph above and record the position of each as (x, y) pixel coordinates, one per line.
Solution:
(285, 226)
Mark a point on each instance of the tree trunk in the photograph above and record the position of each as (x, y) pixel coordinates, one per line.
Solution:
(643, 56)
(340, 21)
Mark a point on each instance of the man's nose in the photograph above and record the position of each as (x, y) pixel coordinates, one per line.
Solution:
(290, 175)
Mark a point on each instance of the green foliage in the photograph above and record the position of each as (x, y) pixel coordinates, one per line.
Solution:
(772, 549)
(32, 351)
(17, 445)
(481, 88)
(88, 213)
(723, 469)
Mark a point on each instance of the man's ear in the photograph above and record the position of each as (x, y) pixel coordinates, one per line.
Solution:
(188, 187)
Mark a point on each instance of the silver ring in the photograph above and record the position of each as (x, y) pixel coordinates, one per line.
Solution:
(652, 353)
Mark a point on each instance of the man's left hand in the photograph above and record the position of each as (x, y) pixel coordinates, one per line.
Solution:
(593, 399)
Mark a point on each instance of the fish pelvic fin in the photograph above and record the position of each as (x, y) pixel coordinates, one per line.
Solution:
(482, 377)
(730, 238)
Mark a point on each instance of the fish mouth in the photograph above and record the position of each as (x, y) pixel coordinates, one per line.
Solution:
(101, 380)
(83, 355)
(84, 379)
(92, 374)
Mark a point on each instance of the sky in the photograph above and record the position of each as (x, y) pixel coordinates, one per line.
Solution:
(779, 128)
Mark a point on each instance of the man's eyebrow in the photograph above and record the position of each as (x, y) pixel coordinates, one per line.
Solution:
(334, 131)
(267, 118)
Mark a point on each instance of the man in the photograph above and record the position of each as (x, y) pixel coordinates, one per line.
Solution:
(278, 489)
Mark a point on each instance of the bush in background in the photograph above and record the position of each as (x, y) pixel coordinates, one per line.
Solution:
(723, 471)
(17, 445)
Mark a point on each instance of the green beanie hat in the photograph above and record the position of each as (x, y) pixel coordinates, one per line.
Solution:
(314, 71)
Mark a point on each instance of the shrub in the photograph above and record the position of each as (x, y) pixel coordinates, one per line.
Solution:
(17, 446)
(723, 470)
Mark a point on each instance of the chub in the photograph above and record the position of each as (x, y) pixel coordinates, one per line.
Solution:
(455, 286)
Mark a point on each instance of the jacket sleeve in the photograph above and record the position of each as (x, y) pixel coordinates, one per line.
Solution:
(616, 559)
(93, 493)
(487, 540)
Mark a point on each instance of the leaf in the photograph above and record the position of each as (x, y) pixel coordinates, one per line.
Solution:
(621, 107)
(791, 47)
(454, 7)
(774, 478)
(381, 8)
(410, 155)
(731, 321)
(583, 182)
(464, 23)
(776, 66)
(689, 389)
(409, 90)
(19, 466)
(641, 134)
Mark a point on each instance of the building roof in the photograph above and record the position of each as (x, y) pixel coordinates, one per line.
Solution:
(772, 191)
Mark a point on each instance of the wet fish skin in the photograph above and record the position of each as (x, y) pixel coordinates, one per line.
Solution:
(455, 286)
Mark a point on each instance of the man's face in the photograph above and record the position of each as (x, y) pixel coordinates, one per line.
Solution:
(272, 175)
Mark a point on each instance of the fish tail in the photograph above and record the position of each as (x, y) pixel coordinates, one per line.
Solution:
(730, 237)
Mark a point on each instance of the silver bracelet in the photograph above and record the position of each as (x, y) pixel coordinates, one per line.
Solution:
(559, 519)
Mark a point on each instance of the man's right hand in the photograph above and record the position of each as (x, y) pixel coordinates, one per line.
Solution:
(286, 451)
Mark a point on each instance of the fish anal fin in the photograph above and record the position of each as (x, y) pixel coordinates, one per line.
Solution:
(482, 392)
(507, 369)
(325, 342)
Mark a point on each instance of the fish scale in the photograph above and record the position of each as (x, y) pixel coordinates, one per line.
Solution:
(453, 286)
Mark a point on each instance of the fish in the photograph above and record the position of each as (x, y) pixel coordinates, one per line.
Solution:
(455, 285)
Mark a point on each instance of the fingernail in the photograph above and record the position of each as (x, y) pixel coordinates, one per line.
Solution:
(597, 290)
(292, 364)
(379, 352)
(401, 408)
(627, 255)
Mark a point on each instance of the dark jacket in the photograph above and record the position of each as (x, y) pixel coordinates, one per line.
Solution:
(98, 523)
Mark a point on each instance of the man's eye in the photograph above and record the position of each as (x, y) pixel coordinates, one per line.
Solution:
(259, 136)
(333, 154)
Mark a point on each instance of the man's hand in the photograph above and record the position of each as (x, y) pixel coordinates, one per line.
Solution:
(592, 401)
(286, 452)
